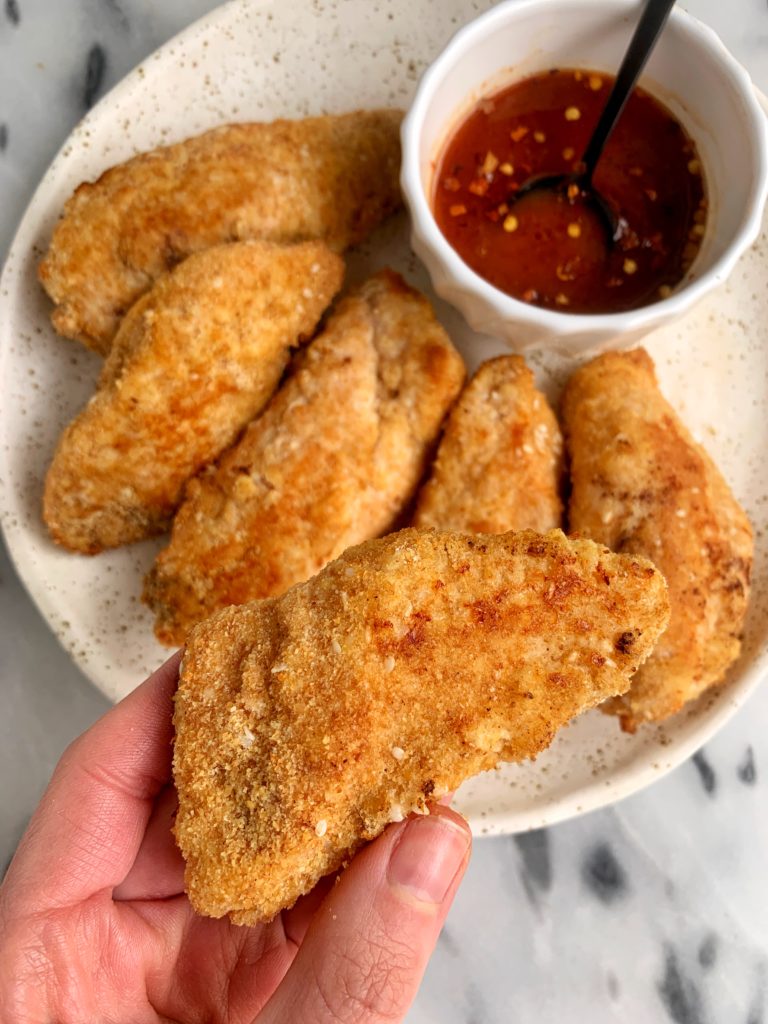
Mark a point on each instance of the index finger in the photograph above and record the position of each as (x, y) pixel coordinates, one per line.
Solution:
(84, 835)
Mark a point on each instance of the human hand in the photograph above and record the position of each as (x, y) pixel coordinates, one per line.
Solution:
(95, 926)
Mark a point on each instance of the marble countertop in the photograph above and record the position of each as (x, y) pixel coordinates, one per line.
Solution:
(653, 911)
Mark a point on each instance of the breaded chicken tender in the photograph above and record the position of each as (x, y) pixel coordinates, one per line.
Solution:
(641, 484)
(499, 463)
(331, 462)
(193, 362)
(306, 723)
(327, 178)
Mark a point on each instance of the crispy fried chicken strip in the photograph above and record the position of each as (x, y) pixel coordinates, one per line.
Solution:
(327, 178)
(194, 360)
(306, 723)
(499, 463)
(331, 462)
(641, 484)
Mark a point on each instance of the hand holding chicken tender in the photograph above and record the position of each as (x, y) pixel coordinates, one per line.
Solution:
(328, 178)
(194, 360)
(499, 463)
(332, 461)
(641, 484)
(306, 723)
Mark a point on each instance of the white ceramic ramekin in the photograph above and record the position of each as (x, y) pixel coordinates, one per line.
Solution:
(690, 71)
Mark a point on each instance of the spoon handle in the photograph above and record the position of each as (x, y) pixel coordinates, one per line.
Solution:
(651, 23)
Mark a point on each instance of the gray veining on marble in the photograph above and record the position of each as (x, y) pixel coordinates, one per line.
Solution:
(652, 912)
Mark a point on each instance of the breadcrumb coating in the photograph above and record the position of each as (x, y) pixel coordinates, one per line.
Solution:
(193, 362)
(332, 461)
(329, 178)
(499, 463)
(306, 723)
(642, 485)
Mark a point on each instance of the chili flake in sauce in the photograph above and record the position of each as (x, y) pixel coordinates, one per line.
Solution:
(552, 250)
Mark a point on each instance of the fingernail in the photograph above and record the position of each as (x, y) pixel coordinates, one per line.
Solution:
(425, 861)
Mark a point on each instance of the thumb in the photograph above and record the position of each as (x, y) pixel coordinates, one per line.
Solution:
(367, 948)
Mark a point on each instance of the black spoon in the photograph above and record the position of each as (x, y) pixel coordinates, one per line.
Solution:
(579, 185)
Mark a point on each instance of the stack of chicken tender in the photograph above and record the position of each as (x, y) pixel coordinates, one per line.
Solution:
(339, 675)
(202, 272)
(638, 483)
(270, 431)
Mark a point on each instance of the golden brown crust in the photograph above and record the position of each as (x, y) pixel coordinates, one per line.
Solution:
(327, 178)
(306, 723)
(641, 484)
(194, 360)
(499, 463)
(331, 462)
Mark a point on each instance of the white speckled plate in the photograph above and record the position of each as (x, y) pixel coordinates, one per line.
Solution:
(259, 60)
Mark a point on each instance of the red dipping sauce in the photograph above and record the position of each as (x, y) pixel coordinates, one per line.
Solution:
(551, 250)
